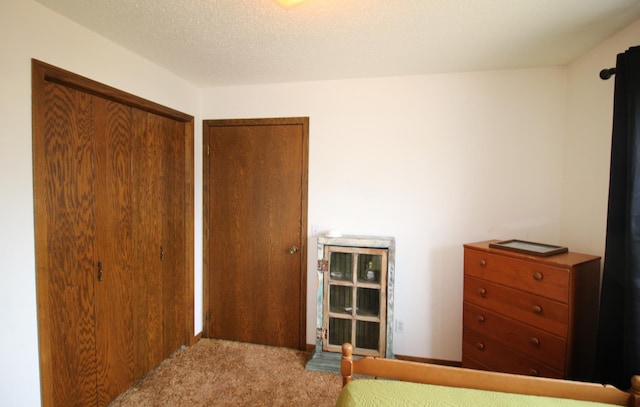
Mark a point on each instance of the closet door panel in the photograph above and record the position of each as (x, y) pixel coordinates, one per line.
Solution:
(147, 238)
(174, 233)
(65, 270)
(113, 247)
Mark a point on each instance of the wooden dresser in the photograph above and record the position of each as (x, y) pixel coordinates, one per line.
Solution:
(530, 315)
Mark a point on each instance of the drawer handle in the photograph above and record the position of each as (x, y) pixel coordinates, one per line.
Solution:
(480, 318)
(534, 341)
(480, 346)
(482, 292)
(534, 372)
(537, 309)
(537, 276)
(482, 262)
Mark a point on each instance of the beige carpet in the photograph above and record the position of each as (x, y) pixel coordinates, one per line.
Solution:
(223, 373)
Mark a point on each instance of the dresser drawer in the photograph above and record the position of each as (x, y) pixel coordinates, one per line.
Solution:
(538, 312)
(500, 358)
(469, 363)
(537, 278)
(537, 344)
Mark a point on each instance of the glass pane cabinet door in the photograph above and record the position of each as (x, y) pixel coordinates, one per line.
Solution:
(355, 302)
(340, 299)
(341, 266)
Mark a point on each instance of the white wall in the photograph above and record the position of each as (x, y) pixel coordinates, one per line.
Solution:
(440, 160)
(28, 30)
(588, 143)
(435, 161)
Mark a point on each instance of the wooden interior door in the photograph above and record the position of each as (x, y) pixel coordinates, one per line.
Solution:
(255, 212)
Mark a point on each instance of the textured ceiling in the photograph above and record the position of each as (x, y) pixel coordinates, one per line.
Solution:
(229, 42)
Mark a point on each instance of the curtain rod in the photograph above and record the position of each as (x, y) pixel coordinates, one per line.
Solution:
(607, 73)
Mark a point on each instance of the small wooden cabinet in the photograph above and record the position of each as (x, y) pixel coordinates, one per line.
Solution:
(530, 315)
(355, 298)
(355, 304)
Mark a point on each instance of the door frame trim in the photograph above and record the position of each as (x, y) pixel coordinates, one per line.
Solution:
(206, 190)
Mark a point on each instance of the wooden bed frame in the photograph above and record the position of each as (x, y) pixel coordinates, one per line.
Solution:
(484, 380)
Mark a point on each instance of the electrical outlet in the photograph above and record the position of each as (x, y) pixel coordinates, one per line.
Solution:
(399, 326)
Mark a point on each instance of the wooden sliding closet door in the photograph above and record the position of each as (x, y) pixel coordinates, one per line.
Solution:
(113, 192)
(112, 130)
(174, 250)
(147, 221)
(65, 258)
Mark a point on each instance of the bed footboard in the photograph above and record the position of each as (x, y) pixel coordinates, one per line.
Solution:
(483, 380)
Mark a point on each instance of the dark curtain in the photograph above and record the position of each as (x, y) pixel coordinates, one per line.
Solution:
(618, 344)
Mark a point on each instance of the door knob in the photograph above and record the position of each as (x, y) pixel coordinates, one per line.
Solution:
(293, 250)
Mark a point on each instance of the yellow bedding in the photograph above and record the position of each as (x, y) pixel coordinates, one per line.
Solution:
(390, 393)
